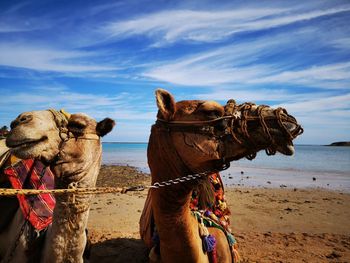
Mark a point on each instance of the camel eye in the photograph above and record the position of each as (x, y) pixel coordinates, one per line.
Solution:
(76, 125)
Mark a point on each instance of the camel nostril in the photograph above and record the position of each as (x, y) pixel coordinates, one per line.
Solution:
(290, 126)
(14, 124)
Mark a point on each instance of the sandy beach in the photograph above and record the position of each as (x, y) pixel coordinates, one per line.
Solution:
(271, 225)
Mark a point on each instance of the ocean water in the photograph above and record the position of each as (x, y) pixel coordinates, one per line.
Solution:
(311, 166)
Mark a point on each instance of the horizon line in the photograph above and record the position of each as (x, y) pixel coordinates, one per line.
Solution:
(126, 142)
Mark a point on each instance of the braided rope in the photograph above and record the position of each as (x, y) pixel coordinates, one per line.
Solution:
(99, 190)
(82, 191)
(263, 123)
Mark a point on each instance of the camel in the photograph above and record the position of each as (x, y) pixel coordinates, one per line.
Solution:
(72, 148)
(196, 137)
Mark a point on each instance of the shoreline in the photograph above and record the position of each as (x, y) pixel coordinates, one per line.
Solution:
(270, 225)
(325, 167)
(274, 178)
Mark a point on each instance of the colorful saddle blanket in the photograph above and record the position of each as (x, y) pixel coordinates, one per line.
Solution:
(217, 211)
(32, 174)
(212, 215)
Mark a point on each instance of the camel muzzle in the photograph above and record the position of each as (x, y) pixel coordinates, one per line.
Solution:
(237, 125)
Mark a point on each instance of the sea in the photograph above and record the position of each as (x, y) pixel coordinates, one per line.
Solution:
(312, 166)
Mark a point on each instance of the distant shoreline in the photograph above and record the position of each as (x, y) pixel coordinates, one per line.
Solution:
(126, 142)
(339, 144)
(147, 143)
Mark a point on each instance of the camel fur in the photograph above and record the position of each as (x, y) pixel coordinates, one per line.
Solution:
(173, 154)
(75, 161)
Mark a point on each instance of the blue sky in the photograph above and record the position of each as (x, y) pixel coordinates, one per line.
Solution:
(106, 58)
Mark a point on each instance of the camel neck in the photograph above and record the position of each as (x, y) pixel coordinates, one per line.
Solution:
(164, 161)
(71, 211)
(166, 164)
(177, 228)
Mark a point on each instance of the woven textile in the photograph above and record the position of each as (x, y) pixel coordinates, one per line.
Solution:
(32, 174)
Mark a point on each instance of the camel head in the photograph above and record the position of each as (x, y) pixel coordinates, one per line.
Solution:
(82, 149)
(46, 134)
(207, 135)
(35, 134)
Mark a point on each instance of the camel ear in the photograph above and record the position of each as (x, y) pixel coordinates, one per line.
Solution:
(166, 104)
(105, 126)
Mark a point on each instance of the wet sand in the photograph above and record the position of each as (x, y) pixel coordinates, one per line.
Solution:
(271, 225)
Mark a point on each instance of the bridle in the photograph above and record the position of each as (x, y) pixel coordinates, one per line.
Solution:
(241, 126)
(236, 124)
(61, 119)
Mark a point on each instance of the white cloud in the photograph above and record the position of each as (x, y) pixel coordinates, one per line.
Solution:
(120, 106)
(253, 95)
(341, 43)
(325, 119)
(133, 119)
(220, 66)
(12, 27)
(209, 26)
(333, 76)
(43, 58)
(240, 64)
(315, 104)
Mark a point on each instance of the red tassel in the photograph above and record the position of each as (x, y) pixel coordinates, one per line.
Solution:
(212, 256)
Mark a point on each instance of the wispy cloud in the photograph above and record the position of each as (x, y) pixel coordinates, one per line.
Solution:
(248, 94)
(121, 106)
(249, 63)
(38, 57)
(321, 105)
(342, 43)
(333, 76)
(323, 119)
(166, 27)
(199, 71)
(106, 59)
(215, 67)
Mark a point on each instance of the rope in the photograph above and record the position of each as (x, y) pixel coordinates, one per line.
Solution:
(81, 191)
(99, 190)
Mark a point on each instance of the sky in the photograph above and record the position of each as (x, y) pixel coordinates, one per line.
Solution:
(107, 58)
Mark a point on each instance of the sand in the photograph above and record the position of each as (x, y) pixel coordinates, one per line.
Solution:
(271, 225)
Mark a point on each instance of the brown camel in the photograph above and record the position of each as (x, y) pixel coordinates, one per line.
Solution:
(72, 148)
(193, 137)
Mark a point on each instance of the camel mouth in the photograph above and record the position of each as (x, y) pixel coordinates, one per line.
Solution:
(26, 143)
(287, 149)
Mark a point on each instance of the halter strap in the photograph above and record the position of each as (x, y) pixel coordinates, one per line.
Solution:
(235, 123)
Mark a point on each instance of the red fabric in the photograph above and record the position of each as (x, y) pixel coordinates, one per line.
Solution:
(213, 256)
(219, 211)
(32, 174)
